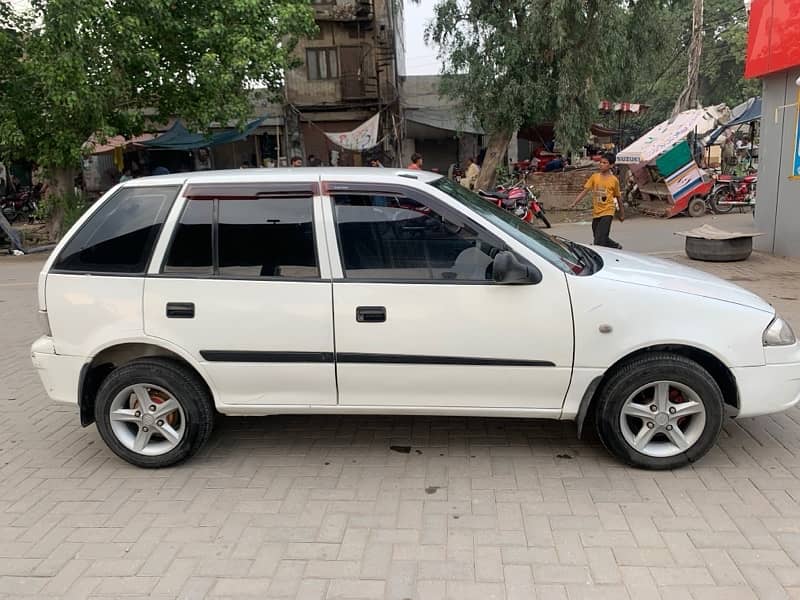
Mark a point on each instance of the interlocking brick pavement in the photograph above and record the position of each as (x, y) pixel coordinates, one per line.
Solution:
(320, 507)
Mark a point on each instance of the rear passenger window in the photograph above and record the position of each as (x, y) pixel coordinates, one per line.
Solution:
(270, 237)
(244, 237)
(190, 252)
(120, 235)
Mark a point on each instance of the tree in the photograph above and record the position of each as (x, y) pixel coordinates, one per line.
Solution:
(83, 67)
(515, 62)
(688, 97)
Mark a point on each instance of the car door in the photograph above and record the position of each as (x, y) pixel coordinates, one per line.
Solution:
(418, 320)
(242, 289)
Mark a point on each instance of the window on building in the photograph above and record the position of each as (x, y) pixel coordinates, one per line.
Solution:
(119, 237)
(322, 63)
(397, 238)
(190, 252)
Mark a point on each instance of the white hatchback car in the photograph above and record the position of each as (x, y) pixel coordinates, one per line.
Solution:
(355, 291)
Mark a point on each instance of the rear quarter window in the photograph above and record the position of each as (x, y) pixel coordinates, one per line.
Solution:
(120, 235)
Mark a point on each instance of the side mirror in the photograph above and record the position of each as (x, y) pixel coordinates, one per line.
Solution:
(508, 269)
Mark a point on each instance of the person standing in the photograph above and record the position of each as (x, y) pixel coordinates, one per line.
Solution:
(606, 197)
(296, 161)
(728, 155)
(416, 162)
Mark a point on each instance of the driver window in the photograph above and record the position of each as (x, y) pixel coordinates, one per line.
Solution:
(388, 237)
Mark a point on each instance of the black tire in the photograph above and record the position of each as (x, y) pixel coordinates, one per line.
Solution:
(652, 368)
(719, 250)
(542, 216)
(183, 384)
(697, 207)
(722, 194)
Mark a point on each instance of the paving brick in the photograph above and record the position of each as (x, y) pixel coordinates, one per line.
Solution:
(467, 590)
(681, 576)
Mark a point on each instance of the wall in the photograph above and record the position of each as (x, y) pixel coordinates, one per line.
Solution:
(558, 190)
(778, 201)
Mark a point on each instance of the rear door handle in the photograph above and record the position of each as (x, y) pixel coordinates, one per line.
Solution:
(371, 314)
(180, 310)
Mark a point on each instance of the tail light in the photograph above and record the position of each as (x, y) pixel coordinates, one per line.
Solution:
(44, 323)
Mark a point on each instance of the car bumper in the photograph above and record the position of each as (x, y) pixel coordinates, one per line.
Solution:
(59, 373)
(767, 389)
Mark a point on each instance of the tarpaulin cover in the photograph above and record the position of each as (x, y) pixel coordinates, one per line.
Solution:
(667, 134)
(751, 112)
(178, 137)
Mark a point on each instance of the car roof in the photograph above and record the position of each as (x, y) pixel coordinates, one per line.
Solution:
(287, 174)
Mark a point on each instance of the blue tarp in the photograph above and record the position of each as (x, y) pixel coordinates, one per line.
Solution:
(178, 137)
(750, 114)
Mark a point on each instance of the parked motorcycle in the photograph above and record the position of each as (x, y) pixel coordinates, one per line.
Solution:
(730, 192)
(519, 199)
(23, 203)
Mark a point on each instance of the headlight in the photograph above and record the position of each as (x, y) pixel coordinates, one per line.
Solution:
(779, 333)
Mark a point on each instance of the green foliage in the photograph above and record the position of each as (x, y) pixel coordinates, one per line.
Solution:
(517, 62)
(71, 205)
(72, 68)
(660, 73)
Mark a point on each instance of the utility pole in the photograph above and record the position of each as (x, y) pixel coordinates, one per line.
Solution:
(688, 97)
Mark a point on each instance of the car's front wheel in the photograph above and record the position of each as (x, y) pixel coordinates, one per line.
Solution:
(660, 411)
(154, 412)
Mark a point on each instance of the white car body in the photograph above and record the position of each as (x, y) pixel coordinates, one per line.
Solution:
(465, 349)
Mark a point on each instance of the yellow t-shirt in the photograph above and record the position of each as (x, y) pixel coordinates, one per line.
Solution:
(604, 189)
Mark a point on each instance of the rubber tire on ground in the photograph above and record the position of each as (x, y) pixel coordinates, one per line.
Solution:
(542, 216)
(185, 386)
(719, 250)
(721, 194)
(651, 368)
(697, 207)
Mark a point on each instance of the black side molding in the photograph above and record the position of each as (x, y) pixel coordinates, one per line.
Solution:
(418, 359)
(245, 356)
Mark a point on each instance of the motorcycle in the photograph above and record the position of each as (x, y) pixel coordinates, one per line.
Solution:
(24, 203)
(730, 192)
(518, 199)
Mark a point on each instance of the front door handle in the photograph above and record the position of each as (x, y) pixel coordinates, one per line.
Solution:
(371, 314)
(180, 310)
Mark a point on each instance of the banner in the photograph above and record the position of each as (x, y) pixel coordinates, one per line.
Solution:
(363, 137)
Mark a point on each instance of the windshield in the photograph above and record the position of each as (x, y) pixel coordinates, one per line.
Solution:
(564, 255)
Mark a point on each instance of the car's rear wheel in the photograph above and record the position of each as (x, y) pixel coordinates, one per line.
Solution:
(660, 411)
(154, 412)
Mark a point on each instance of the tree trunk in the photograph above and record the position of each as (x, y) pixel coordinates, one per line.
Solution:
(495, 153)
(61, 185)
(688, 97)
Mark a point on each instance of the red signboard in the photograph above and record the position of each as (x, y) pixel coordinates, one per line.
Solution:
(773, 38)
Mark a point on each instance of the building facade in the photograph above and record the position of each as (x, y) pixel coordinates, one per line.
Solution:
(350, 71)
(773, 55)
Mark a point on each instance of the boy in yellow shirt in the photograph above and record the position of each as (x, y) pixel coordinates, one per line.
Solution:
(604, 187)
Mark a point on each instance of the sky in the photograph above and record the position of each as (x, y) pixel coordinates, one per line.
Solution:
(420, 59)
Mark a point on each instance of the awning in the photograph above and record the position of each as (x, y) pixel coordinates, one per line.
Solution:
(178, 137)
(117, 141)
(751, 112)
(444, 119)
(667, 134)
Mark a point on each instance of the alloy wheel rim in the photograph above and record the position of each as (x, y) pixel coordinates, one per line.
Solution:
(147, 419)
(662, 419)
